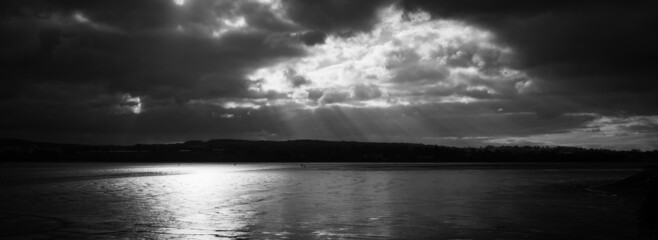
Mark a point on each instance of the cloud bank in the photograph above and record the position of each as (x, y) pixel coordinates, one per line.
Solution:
(449, 72)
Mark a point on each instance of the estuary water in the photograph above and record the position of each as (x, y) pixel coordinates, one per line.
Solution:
(314, 201)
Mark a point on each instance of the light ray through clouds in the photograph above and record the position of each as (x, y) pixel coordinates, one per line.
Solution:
(362, 87)
(411, 79)
(287, 69)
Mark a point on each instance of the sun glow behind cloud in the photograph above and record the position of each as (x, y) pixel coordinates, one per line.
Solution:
(130, 104)
(341, 70)
(410, 78)
(224, 17)
(406, 59)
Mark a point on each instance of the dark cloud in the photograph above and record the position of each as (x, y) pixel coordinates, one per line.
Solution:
(78, 67)
(311, 38)
(124, 14)
(365, 92)
(333, 96)
(467, 9)
(342, 17)
(419, 74)
(296, 80)
(573, 48)
(152, 70)
(147, 62)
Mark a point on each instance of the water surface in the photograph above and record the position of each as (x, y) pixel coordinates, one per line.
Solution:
(323, 201)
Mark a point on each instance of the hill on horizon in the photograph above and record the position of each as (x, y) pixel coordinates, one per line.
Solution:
(234, 150)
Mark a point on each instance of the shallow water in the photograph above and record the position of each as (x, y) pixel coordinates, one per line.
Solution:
(328, 201)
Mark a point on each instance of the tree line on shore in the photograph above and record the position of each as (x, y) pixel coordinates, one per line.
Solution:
(223, 150)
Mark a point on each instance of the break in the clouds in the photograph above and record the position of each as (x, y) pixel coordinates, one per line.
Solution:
(405, 59)
(465, 73)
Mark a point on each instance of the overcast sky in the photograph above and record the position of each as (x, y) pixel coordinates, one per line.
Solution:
(450, 72)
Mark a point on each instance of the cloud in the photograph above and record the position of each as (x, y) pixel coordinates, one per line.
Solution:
(312, 38)
(563, 45)
(526, 87)
(621, 133)
(333, 96)
(362, 92)
(420, 73)
(149, 58)
(410, 57)
(450, 72)
(341, 17)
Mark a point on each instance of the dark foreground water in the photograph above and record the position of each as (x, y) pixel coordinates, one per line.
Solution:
(330, 201)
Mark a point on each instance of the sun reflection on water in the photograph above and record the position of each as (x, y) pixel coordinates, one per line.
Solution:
(224, 202)
(209, 201)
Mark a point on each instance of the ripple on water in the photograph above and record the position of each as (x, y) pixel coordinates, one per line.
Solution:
(17, 224)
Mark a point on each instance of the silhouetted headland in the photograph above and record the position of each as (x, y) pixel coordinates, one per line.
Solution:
(13, 150)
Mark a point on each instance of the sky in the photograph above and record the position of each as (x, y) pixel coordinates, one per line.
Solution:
(447, 72)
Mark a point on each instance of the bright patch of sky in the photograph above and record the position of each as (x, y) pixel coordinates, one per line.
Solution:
(405, 59)
(622, 133)
(80, 18)
(235, 20)
(129, 104)
(229, 24)
(179, 2)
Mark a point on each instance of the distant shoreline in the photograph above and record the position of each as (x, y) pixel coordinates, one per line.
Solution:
(498, 165)
(242, 151)
(361, 165)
